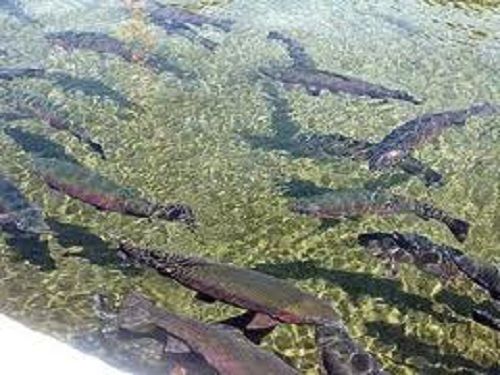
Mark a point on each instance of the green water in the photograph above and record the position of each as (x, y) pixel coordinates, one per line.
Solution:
(190, 145)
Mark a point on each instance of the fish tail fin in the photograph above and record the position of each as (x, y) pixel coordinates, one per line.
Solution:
(459, 228)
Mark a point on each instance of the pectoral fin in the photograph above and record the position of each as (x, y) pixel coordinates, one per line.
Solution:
(255, 326)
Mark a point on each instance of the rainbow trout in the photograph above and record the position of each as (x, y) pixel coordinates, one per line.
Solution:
(248, 289)
(228, 352)
(89, 187)
(358, 202)
(400, 142)
(16, 211)
(40, 108)
(304, 73)
(340, 355)
(104, 44)
(397, 248)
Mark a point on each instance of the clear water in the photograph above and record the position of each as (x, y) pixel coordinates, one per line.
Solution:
(192, 144)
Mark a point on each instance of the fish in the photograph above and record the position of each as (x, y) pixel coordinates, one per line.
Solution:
(9, 74)
(486, 276)
(352, 203)
(486, 318)
(103, 43)
(17, 212)
(414, 133)
(304, 73)
(341, 355)
(273, 299)
(335, 145)
(91, 87)
(225, 351)
(162, 14)
(414, 249)
(33, 104)
(296, 50)
(90, 187)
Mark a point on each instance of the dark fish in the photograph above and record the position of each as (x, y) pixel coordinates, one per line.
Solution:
(357, 202)
(296, 51)
(304, 73)
(414, 249)
(90, 187)
(175, 20)
(38, 145)
(405, 138)
(16, 211)
(315, 81)
(487, 276)
(105, 44)
(326, 146)
(166, 14)
(40, 108)
(241, 287)
(340, 355)
(91, 87)
(229, 353)
(10, 74)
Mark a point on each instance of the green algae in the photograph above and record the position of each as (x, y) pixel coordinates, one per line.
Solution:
(187, 146)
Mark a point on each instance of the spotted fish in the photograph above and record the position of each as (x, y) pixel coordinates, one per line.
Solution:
(89, 187)
(400, 142)
(414, 249)
(340, 355)
(241, 287)
(303, 73)
(351, 203)
(105, 44)
(229, 353)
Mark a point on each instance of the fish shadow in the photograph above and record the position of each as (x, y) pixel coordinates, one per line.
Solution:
(409, 346)
(38, 146)
(30, 247)
(358, 285)
(462, 305)
(94, 249)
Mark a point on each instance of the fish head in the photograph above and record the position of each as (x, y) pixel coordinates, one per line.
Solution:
(386, 159)
(31, 221)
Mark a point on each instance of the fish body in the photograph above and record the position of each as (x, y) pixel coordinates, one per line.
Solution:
(327, 146)
(104, 44)
(412, 249)
(10, 74)
(17, 211)
(87, 186)
(340, 355)
(244, 288)
(38, 107)
(359, 202)
(174, 16)
(315, 81)
(400, 142)
(227, 352)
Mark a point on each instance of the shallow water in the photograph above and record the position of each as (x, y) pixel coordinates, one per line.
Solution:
(193, 143)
